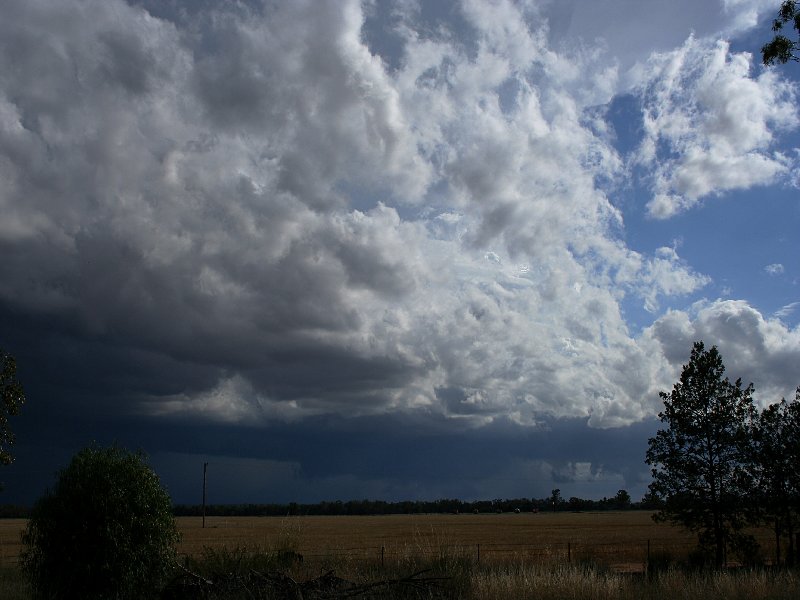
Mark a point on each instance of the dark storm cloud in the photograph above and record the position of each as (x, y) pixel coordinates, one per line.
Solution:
(388, 457)
(184, 268)
(210, 271)
(180, 201)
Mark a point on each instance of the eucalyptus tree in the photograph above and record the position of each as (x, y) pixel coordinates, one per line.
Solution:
(104, 531)
(782, 49)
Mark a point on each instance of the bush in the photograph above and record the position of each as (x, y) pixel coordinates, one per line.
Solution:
(105, 531)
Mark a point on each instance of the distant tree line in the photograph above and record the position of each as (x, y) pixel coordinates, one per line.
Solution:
(621, 501)
(14, 511)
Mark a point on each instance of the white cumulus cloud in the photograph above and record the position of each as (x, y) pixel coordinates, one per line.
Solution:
(753, 347)
(710, 124)
(252, 190)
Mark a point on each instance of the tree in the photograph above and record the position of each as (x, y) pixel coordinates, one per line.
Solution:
(781, 49)
(576, 504)
(622, 501)
(700, 462)
(105, 531)
(556, 499)
(12, 397)
(651, 501)
(777, 453)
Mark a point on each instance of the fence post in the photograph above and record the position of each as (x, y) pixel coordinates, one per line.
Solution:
(647, 565)
(205, 469)
(479, 554)
(569, 552)
(383, 552)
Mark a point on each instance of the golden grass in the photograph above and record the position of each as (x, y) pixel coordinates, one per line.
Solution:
(535, 582)
(602, 537)
(10, 540)
(607, 537)
(521, 555)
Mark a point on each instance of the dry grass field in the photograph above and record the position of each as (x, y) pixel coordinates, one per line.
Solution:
(608, 537)
(544, 556)
(611, 538)
(10, 543)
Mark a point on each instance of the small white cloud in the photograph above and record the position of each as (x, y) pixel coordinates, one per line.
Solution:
(745, 14)
(787, 310)
(232, 400)
(774, 269)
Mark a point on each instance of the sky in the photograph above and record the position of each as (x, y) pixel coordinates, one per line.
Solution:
(388, 250)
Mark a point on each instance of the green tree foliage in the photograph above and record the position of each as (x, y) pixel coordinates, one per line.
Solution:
(105, 531)
(556, 499)
(622, 500)
(777, 451)
(700, 461)
(651, 501)
(12, 397)
(782, 49)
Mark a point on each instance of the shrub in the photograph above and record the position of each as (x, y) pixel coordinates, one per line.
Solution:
(105, 531)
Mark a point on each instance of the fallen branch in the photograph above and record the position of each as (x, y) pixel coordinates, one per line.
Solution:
(276, 585)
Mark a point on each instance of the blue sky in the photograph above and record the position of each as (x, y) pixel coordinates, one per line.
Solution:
(393, 250)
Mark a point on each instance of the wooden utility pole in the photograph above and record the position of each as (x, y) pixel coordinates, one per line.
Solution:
(205, 469)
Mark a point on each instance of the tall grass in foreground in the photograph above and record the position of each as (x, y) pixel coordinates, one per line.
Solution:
(521, 582)
(464, 579)
(13, 585)
(467, 580)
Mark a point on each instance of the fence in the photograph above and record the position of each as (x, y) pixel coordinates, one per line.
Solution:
(629, 557)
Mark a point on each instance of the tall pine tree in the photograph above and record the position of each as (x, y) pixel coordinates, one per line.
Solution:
(777, 453)
(701, 461)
